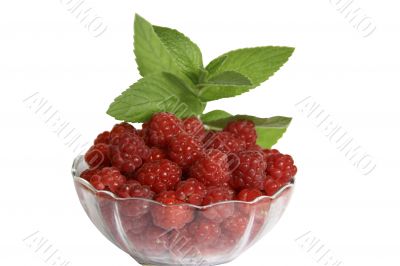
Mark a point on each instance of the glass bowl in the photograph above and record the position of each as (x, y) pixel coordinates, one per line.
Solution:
(157, 234)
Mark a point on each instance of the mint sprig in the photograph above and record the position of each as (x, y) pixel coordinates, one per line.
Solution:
(175, 80)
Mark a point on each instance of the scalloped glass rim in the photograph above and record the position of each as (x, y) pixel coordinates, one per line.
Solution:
(79, 159)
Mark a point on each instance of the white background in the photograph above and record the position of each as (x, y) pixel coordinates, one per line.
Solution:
(355, 79)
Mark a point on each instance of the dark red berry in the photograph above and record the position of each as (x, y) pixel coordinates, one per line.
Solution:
(108, 178)
(281, 167)
(205, 232)
(103, 138)
(124, 191)
(128, 152)
(250, 170)
(173, 215)
(271, 186)
(98, 155)
(226, 142)
(156, 154)
(162, 128)
(249, 194)
(184, 150)
(88, 173)
(191, 191)
(212, 169)
(243, 129)
(194, 127)
(134, 207)
(217, 213)
(159, 175)
(270, 152)
(122, 129)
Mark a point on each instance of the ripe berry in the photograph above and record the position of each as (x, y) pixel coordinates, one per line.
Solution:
(159, 175)
(191, 191)
(124, 191)
(162, 127)
(249, 172)
(121, 129)
(249, 194)
(134, 207)
(226, 142)
(271, 186)
(212, 169)
(243, 129)
(156, 154)
(98, 155)
(218, 212)
(171, 217)
(137, 225)
(103, 138)
(127, 152)
(281, 167)
(236, 225)
(154, 241)
(88, 173)
(108, 178)
(205, 232)
(270, 152)
(184, 150)
(194, 127)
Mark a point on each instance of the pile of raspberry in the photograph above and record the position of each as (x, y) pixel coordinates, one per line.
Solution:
(176, 161)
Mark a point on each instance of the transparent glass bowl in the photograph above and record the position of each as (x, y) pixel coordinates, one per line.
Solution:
(129, 224)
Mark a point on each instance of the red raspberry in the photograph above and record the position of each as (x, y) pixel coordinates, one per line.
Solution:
(108, 178)
(171, 217)
(249, 172)
(236, 225)
(162, 127)
(191, 191)
(226, 142)
(194, 127)
(249, 194)
(184, 150)
(88, 173)
(212, 169)
(103, 138)
(243, 129)
(127, 152)
(159, 175)
(281, 167)
(121, 129)
(218, 212)
(270, 152)
(154, 241)
(134, 207)
(156, 154)
(98, 155)
(271, 186)
(205, 232)
(136, 225)
(124, 191)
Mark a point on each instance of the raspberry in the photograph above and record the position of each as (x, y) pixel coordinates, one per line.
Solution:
(121, 129)
(127, 152)
(249, 172)
(162, 127)
(191, 191)
(156, 154)
(226, 142)
(136, 225)
(212, 169)
(205, 232)
(98, 155)
(271, 186)
(218, 212)
(124, 191)
(108, 178)
(171, 217)
(281, 167)
(243, 129)
(135, 207)
(159, 175)
(236, 225)
(184, 150)
(88, 173)
(154, 241)
(194, 127)
(249, 194)
(270, 152)
(103, 138)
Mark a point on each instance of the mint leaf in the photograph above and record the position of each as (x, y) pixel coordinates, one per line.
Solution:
(161, 92)
(257, 64)
(269, 130)
(160, 49)
(187, 55)
(214, 115)
(229, 78)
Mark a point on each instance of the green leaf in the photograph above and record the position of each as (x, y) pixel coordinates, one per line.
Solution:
(257, 64)
(161, 92)
(229, 78)
(269, 130)
(214, 115)
(160, 49)
(187, 55)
